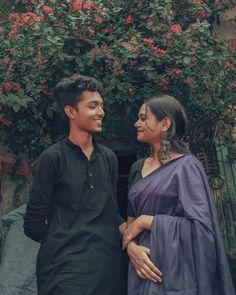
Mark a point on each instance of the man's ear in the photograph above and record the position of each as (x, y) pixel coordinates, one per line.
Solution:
(166, 123)
(69, 111)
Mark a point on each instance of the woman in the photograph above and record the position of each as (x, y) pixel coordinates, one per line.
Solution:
(172, 234)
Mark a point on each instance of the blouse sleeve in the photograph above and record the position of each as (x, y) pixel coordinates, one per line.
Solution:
(134, 176)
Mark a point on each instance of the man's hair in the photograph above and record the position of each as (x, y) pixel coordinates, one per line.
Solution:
(69, 90)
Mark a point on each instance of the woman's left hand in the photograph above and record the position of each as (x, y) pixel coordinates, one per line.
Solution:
(134, 228)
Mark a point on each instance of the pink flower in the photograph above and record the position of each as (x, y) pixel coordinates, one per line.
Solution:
(47, 10)
(128, 20)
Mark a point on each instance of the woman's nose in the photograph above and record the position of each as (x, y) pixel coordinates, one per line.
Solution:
(137, 124)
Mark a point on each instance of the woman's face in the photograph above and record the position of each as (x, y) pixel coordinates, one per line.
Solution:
(149, 129)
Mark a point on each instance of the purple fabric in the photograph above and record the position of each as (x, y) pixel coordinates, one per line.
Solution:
(185, 239)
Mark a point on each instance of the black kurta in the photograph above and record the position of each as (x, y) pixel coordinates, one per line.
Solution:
(72, 211)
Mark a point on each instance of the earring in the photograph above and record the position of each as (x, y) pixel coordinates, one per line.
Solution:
(165, 147)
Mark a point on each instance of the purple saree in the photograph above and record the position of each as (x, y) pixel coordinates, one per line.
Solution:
(185, 239)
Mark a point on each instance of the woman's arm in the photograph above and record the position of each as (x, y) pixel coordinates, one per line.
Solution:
(135, 226)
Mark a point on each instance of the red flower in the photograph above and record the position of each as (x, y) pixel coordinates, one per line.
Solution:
(197, 2)
(148, 40)
(47, 10)
(125, 44)
(217, 2)
(128, 20)
(189, 81)
(202, 13)
(12, 35)
(7, 60)
(15, 25)
(176, 28)
(98, 20)
(233, 85)
(157, 50)
(177, 71)
(89, 5)
(132, 90)
(229, 65)
(77, 5)
(94, 51)
(118, 72)
(7, 86)
(13, 16)
(16, 87)
(29, 18)
(5, 121)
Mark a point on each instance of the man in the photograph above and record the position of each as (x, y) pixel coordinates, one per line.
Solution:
(72, 204)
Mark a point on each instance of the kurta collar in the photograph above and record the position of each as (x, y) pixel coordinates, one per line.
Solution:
(75, 147)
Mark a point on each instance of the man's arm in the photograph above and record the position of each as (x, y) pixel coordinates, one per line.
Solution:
(40, 198)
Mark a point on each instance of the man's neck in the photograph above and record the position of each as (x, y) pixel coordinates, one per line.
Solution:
(84, 140)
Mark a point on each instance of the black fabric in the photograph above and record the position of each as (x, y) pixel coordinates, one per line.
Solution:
(72, 211)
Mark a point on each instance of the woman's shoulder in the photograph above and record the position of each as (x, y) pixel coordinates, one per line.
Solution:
(190, 162)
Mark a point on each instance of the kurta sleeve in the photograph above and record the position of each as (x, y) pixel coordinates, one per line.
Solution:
(114, 177)
(40, 199)
(188, 248)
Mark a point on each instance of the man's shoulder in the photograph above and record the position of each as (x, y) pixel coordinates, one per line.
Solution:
(53, 151)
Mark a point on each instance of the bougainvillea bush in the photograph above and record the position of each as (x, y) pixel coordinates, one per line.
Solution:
(135, 48)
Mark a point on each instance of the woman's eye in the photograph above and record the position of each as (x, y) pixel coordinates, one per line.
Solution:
(142, 119)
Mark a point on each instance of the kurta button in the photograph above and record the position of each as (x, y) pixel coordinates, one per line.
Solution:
(90, 174)
(91, 186)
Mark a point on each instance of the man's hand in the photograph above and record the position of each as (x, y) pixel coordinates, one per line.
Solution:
(139, 256)
(135, 227)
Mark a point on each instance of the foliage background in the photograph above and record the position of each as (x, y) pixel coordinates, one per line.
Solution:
(135, 48)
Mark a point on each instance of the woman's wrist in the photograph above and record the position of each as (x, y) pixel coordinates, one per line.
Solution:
(145, 221)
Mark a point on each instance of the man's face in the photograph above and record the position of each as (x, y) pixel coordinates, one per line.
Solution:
(89, 112)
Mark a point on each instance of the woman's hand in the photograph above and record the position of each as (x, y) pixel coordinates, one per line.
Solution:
(139, 256)
(135, 227)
